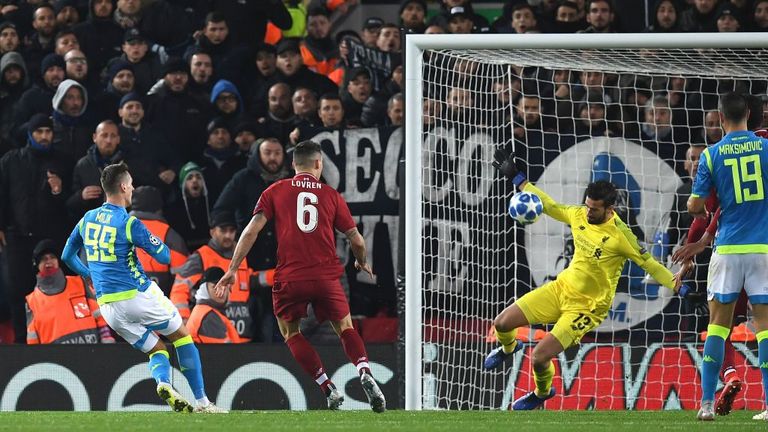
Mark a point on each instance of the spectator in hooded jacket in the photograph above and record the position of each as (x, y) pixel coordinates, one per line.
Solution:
(189, 212)
(412, 14)
(227, 103)
(9, 38)
(72, 129)
(13, 83)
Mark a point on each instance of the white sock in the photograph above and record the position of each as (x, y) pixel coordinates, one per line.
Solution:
(203, 401)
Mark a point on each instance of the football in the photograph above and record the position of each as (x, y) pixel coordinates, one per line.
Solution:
(525, 207)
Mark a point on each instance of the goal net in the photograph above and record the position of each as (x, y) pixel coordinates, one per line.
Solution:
(632, 109)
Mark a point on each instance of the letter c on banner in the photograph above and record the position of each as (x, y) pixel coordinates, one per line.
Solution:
(45, 372)
(297, 400)
(134, 375)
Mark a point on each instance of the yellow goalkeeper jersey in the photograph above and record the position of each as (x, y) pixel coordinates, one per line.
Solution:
(600, 253)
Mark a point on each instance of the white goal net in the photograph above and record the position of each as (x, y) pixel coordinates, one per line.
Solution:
(628, 115)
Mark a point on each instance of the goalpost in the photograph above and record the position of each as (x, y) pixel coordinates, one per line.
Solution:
(620, 107)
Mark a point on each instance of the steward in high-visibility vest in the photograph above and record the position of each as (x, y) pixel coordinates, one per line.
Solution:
(208, 322)
(61, 309)
(218, 253)
(147, 206)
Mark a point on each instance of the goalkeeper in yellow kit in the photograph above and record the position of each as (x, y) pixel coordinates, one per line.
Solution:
(578, 300)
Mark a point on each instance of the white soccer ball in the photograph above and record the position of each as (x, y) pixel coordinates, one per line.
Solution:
(525, 207)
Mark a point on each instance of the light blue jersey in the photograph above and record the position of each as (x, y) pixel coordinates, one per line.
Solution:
(109, 236)
(737, 167)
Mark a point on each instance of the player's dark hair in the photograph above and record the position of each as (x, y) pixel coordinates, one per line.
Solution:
(604, 191)
(755, 105)
(306, 152)
(112, 176)
(734, 107)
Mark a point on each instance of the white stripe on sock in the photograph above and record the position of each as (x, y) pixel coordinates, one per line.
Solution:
(321, 379)
(362, 365)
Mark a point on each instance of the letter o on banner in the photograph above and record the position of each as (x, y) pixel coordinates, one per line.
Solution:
(134, 375)
(45, 372)
(266, 371)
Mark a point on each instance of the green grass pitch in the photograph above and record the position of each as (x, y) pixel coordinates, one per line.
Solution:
(391, 421)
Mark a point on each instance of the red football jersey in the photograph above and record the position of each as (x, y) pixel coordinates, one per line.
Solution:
(305, 212)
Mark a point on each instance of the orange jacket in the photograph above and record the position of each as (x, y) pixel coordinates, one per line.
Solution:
(323, 67)
(203, 316)
(237, 309)
(160, 273)
(71, 316)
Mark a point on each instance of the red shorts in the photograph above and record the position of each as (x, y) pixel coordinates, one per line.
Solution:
(290, 300)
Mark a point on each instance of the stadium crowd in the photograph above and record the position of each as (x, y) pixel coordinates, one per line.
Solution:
(205, 99)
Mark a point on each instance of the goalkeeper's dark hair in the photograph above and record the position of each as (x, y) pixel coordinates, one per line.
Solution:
(755, 105)
(112, 176)
(305, 152)
(604, 191)
(733, 107)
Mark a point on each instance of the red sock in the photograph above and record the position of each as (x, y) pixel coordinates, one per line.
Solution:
(355, 350)
(308, 359)
(727, 359)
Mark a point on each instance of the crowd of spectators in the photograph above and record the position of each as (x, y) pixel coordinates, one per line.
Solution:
(204, 100)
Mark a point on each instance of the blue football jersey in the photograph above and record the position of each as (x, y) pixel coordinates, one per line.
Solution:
(109, 236)
(734, 167)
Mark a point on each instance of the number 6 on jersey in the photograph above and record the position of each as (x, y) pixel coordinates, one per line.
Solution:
(306, 212)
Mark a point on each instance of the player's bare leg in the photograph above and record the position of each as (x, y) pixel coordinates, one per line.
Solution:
(191, 367)
(720, 318)
(543, 373)
(355, 350)
(505, 325)
(309, 360)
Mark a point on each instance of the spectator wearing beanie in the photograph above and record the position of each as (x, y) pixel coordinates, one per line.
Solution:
(221, 158)
(189, 213)
(120, 82)
(13, 83)
(100, 36)
(728, 18)
(412, 14)
(244, 135)
(227, 103)
(177, 114)
(32, 181)
(38, 98)
(140, 138)
(72, 131)
(147, 68)
(66, 12)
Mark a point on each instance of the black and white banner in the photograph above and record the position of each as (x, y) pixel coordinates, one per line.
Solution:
(241, 377)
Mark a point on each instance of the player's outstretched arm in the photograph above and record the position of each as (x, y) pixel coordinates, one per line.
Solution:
(69, 255)
(358, 249)
(247, 238)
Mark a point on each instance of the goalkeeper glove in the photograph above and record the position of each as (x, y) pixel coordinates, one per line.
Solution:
(505, 163)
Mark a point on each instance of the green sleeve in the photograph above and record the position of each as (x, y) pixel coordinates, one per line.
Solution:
(562, 212)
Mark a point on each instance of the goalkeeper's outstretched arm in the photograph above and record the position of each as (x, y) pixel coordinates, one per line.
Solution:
(507, 165)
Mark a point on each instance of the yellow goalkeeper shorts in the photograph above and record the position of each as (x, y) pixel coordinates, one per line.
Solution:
(551, 304)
